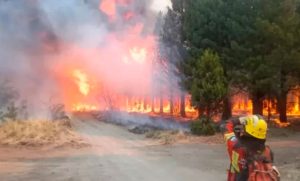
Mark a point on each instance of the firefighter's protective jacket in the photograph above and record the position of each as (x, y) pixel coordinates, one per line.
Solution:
(237, 154)
(238, 170)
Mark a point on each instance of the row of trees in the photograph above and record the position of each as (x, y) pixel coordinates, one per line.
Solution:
(226, 46)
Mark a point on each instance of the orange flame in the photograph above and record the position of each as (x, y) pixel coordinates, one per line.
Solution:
(280, 124)
(242, 105)
(294, 103)
(138, 54)
(119, 73)
(84, 108)
(108, 7)
(82, 82)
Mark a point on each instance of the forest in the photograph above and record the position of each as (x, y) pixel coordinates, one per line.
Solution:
(221, 48)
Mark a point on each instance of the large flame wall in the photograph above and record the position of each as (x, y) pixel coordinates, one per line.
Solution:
(87, 54)
(123, 72)
(242, 104)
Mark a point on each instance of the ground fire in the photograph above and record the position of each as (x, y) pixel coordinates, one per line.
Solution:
(129, 103)
(242, 104)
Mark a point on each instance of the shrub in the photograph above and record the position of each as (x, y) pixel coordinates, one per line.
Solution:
(196, 127)
(11, 113)
(217, 127)
(57, 112)
(8, 97)
(203, 126)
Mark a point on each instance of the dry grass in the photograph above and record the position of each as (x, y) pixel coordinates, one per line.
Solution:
(167, 137)
(172, 137)
(38, 133)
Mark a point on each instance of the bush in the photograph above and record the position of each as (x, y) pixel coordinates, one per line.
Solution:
(57, 112)
(196, 127)
(14, 112)
(217, 127)
(8, 97)
(11, 113)
(203, 126)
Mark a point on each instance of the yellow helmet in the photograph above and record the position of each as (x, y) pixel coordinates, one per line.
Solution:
(256, 127)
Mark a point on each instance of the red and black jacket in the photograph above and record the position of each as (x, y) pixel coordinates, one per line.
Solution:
(238, 170)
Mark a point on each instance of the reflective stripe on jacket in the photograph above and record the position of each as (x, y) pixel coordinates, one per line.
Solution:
(236, 153)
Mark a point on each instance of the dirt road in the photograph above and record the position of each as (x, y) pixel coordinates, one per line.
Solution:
(117, 155)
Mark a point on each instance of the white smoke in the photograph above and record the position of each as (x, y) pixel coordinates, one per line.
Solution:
(161, 5)
(74, 21)
(33, 35)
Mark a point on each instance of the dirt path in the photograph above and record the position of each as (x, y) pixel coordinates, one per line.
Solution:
(118, 155)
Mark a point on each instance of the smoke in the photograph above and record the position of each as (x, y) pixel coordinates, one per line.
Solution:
(161, 5)
(44, 41)
(143, 121)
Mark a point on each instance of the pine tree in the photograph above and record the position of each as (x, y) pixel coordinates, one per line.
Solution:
(208, 83)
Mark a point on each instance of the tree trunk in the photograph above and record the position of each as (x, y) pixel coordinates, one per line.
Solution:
(257, 104)
(208, 113)
(182, 105)
(269, 109)
(227, 111)
(299, 103)
(171, 103)
(200, 113)
(282, 98)
(161, 104)
(282, 107)
(152, 104)
(145, 103)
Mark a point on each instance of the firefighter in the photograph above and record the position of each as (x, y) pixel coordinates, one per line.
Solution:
(245, 136)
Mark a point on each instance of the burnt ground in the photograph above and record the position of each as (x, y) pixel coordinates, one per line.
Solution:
(118, 155)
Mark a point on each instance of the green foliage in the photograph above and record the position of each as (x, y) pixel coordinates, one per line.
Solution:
(282, 33)
(224, 27)
(257, 41)
(273, 68)
(203, 126)
(208, 83)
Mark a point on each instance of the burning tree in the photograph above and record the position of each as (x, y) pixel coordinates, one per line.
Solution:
(172, 49)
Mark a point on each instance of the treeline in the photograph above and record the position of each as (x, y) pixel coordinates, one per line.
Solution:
(220, 47)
